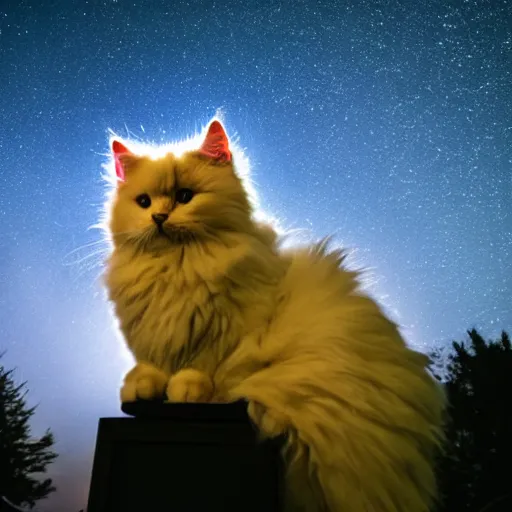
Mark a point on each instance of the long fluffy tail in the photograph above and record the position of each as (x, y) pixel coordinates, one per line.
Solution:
(363, 416)
(355, 442)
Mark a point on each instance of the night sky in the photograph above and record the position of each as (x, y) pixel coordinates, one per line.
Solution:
(387, 123)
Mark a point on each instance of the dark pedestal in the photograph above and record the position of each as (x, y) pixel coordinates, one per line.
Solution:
(184, 458)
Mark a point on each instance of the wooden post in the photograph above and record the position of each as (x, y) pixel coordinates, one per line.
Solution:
(184, 457)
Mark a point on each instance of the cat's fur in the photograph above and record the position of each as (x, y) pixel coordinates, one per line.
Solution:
(213, 309)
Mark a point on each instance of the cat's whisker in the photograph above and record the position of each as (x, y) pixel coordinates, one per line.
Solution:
(96, 278)
(82, 271)
(85, 246)
(85, 258)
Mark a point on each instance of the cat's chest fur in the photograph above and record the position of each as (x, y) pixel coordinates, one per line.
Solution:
(168, 312)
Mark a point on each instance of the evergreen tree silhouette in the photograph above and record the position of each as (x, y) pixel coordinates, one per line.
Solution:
(22, 458)
(475, 470)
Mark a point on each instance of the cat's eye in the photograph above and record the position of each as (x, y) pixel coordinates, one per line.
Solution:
(184, 195)
(143, 200)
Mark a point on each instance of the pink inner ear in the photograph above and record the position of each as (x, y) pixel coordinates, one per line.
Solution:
(216, 144)
(118, 148)
(119, 170)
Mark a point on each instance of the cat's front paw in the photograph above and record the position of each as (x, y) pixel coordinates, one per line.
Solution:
(270, 422)
(190, 385)
(144, 381)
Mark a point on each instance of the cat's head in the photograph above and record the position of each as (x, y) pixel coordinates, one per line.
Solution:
(178, 199)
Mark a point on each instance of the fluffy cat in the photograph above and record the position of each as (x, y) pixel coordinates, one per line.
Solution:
(214, 310)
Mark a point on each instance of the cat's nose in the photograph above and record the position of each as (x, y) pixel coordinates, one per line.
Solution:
(160, 218)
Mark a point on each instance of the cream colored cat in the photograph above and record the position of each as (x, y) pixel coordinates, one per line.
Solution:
(213, 310)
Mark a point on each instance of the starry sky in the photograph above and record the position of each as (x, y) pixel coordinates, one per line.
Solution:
(386, 123)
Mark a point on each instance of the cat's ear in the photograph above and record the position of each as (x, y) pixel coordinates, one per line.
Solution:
(124, 159)
(216, 143)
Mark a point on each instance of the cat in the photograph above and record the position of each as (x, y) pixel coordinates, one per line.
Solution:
(214, 309)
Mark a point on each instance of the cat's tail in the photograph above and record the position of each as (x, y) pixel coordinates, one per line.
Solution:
(355, 443)
(362, 415)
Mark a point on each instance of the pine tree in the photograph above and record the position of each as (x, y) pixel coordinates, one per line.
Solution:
(22, 458)
(474, 472)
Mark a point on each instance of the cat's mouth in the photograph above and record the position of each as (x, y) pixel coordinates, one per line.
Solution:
(174, 233)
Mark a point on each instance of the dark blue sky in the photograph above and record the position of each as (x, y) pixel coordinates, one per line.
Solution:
(389, 123)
